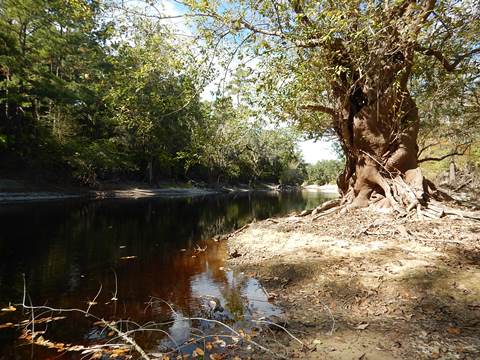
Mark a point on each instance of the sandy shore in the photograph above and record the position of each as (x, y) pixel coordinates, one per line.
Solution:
(21, 195)
(14, 197)
(143, 193)
(135, 193)
(368, 286)
(328, 189)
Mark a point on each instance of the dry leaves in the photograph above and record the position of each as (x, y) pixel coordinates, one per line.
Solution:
(453, 330)
(198, 352)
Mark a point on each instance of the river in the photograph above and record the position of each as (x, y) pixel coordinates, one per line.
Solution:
(145, 260)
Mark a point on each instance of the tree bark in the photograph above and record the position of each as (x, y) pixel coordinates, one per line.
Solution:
(379, 137)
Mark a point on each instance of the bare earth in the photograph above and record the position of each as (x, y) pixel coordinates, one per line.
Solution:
(368, 286)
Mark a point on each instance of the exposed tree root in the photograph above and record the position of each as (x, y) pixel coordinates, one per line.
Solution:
(407, 195)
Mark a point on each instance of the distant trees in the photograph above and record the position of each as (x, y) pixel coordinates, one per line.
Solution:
(99, 97)
(324, 172)
(232, 145)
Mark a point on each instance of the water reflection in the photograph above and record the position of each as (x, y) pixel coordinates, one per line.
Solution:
(131, 248)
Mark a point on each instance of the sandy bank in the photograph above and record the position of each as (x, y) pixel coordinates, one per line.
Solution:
(17, 192)
(144, 193)
(369, 286)
(14, 197)
(329, 188)
(135, 193)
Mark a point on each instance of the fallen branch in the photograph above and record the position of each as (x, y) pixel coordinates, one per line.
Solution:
(233, 233)
(328, 212)
(463, 185)
(464, 214)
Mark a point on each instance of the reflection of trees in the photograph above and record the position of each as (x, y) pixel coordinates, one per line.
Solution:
(232, 293)
(55, 243)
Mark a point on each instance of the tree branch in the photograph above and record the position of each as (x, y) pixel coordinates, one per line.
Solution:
(298, 8)
(453, 153)
(318, 107)
(449, 66)
(427, 147)
(308, 43)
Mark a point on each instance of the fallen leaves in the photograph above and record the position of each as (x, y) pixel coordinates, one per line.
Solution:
(198, 352)
(96, 351)
(218, 356)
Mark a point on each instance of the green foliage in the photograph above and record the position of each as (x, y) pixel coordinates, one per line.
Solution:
(324, 172)
(107, 96)
(231, 145)
(317, 52)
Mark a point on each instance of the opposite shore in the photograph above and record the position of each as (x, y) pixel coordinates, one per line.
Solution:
(14, 192)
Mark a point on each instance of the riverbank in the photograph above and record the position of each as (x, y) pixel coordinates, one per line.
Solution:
(368, 286)
(326, 189)
(15, 192)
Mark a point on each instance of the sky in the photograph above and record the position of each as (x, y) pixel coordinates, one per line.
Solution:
(312, 151)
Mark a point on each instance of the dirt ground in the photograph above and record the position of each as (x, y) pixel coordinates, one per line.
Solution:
(365, 285)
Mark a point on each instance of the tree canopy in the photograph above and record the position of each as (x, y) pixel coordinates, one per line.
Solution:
(367, 71)
(90, 91)
(103, 90)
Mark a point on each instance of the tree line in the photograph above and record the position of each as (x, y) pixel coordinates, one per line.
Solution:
(92, 95)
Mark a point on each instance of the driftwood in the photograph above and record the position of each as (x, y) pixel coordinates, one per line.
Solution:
(229, 235)
(321, 208)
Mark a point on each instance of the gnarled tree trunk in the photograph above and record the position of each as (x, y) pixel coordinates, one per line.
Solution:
(378, 128)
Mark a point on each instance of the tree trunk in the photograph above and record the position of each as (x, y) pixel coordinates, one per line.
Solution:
(379, 137)
(150, 171)
(452, 172)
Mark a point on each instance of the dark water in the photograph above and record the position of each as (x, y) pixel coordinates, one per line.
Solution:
(137, 255)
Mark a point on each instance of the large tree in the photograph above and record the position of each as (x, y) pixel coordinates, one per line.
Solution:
(348, 66)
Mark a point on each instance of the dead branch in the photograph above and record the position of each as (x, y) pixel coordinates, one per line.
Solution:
(328, 212)
(463, 185)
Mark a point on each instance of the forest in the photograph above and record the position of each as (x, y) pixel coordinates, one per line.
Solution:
(91, 95)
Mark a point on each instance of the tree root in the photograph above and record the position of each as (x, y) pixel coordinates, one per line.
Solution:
(407, 196)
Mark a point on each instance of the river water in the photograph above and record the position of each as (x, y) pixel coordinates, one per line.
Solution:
(135, 260)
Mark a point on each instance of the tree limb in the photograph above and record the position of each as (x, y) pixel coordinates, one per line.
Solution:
(449, 66)
(307, 43)
(427, 147)
(298, 8)
(453, 153)
(318, 107)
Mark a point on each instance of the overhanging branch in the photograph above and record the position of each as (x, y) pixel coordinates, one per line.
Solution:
(440, 158)
(449, 66)
(318, 107)
(307, 43)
